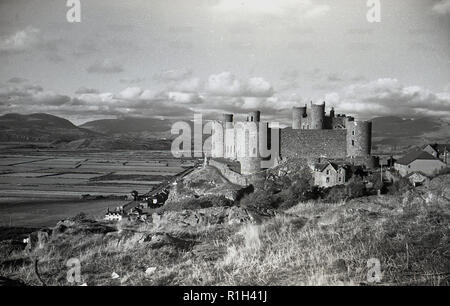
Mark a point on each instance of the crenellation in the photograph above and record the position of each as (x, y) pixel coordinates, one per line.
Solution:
(313, 134)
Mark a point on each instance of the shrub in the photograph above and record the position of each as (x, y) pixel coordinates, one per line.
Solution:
(334, 194)
(399, 186)
(259, 198)
(355, 190)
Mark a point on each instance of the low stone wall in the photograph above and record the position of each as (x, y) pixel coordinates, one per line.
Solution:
(229, 174)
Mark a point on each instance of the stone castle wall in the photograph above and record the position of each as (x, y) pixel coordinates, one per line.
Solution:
(229, 174)
(313, 143)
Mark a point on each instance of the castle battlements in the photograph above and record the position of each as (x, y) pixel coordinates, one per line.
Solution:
(313, 134)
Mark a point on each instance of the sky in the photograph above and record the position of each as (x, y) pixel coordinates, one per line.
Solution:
(169, 59)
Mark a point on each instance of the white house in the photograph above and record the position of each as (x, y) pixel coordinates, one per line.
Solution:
(419, 161)
(328, 174)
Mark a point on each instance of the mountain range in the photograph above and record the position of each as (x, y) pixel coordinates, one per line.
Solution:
(389, 133)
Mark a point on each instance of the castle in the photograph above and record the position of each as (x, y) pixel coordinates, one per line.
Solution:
(313, 135)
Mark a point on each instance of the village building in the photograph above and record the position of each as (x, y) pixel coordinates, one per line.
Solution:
(441, 151)
(419, 161)
(329, 174)
(418, 179)
(113, 216)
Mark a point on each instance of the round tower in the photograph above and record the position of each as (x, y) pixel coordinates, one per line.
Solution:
(254, 116)
(359, 138)
(227, 120)
(317, 116)
(298, 113)
(217, 139)
(227, 117)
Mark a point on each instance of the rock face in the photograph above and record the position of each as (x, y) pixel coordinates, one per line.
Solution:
(81, 226)
(202, 217)
(441, 186)
(204, 182)
(158, 240)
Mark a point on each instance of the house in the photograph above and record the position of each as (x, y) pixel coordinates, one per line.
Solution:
(329, 174)
(113, 216)
(441, 151)
(419, 161)
(418, 179)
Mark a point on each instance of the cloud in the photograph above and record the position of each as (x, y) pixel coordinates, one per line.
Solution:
(184, 97)
(226, 84)
(317, 11)
(442, 7)
(105, 66)
(84, 90)
(87, 47)
(24, 96)
(131, 80)
(20, 41)
(285, 13)
(188, 85)
(302, 8)
(173, 75)
(17, 80)
(386, 97)
(130, 93)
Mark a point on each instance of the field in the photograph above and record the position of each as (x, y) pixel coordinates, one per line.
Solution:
(38, 187)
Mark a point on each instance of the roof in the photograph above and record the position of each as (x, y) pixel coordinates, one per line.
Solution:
(438, 147)
(321, 167)
(415, 155)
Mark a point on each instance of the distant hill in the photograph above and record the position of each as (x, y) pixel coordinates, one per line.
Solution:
(144, 127)
(40, 127)
(394, 133)
(60, 133)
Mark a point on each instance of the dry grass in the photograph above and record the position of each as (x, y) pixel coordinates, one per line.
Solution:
(314, 244)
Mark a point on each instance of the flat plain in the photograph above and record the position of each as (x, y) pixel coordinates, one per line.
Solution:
(40, 187)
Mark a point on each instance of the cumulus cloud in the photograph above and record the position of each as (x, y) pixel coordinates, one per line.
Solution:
(130, 93)
(20, 41)
(442, 7)
(105, 66)
(387, 96)
(227, 84)
(184, 97)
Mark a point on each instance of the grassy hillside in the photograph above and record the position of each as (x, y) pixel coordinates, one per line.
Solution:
(312, 243)
(40, 127)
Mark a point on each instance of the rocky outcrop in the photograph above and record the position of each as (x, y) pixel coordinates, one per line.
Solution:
(175, 220)
(441, 186)
(83, 227)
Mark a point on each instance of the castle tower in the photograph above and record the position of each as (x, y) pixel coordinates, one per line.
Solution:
(359, 138)
(217, 139)
(317, 116)
(254, 116)
(298, 113)
(228, 136)
(332, 112)
(227, 119)
(247, 144)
